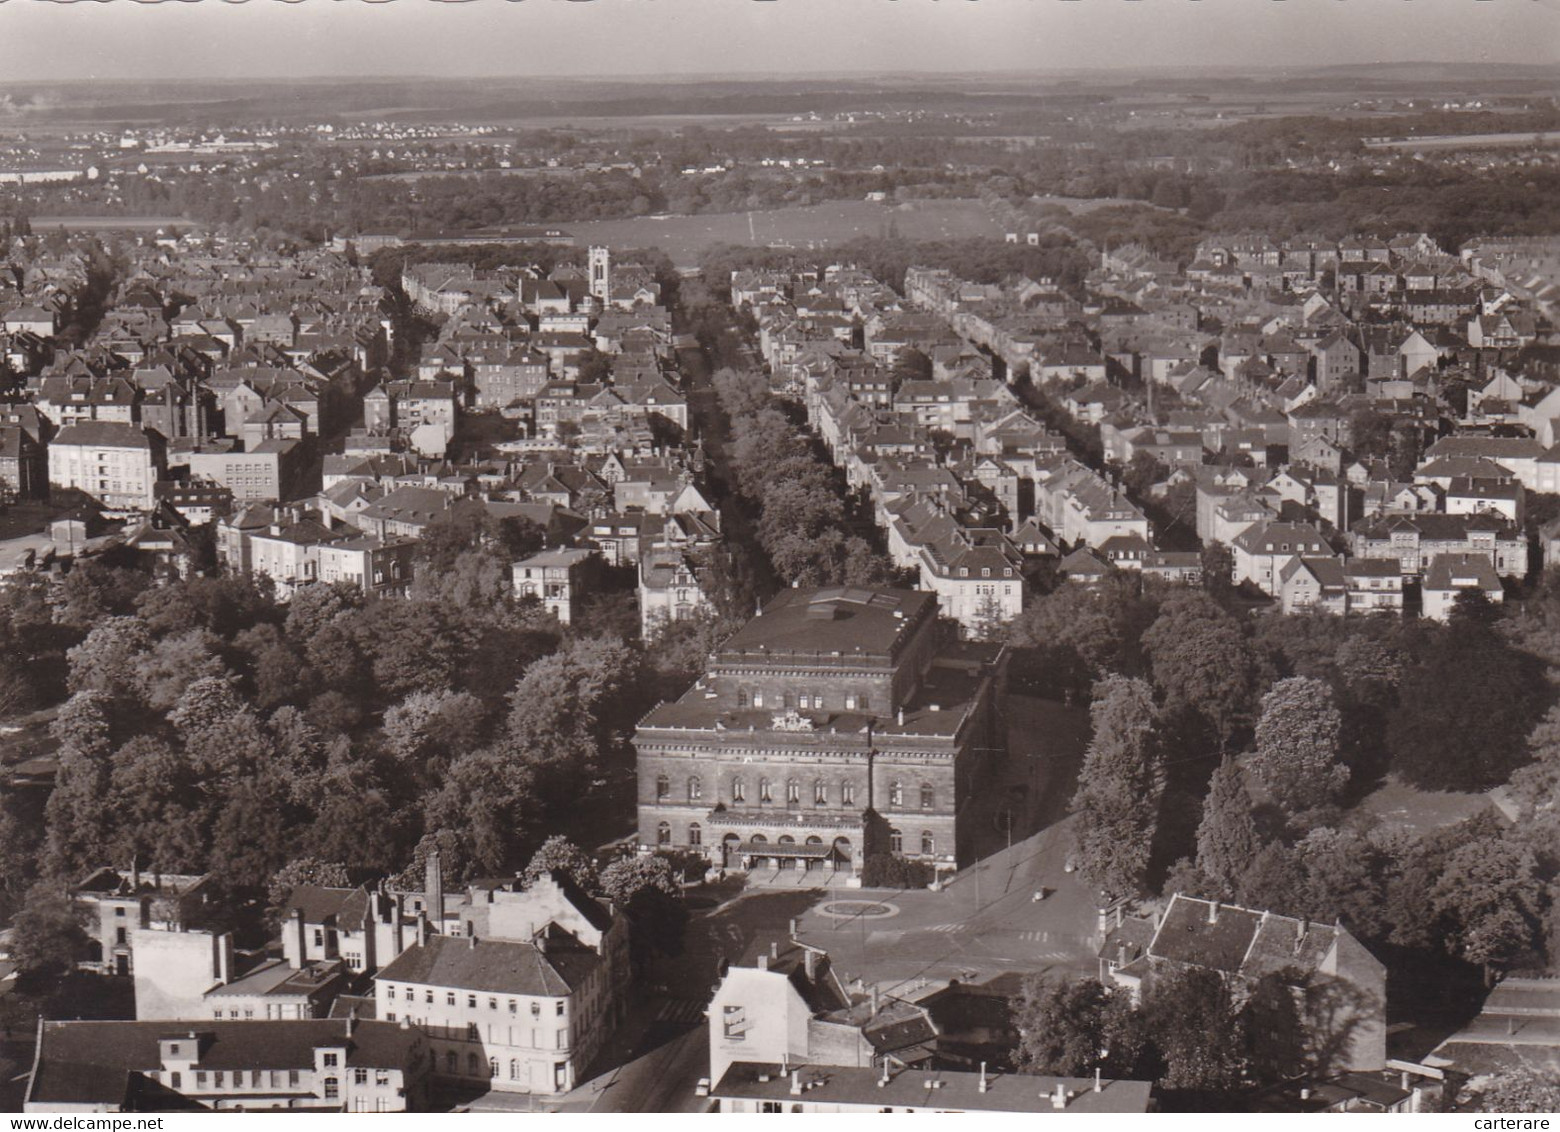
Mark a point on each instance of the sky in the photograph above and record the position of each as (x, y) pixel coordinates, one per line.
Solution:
(132, 39)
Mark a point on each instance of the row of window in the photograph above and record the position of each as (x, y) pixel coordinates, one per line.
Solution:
(560, 1006)
(806, 701)
(793, 791)
(896, 839)
(263, 1078)
(475, 1068)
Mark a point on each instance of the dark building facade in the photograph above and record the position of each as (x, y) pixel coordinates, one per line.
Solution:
(837, 724)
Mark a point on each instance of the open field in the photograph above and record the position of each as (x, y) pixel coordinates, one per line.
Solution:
(812, 226)
(1467, 141)
(112, 223)
(1400, 806)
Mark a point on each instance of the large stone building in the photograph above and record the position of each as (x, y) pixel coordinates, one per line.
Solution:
(837, 724)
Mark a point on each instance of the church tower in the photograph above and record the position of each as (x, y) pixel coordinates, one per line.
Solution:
(601, 275)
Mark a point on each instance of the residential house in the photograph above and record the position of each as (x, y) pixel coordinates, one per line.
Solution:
(1310, 584)
(669, 590)
(1452, 574)
(559, 578)
(1373, 584)
(1262, 550)
(978, 578)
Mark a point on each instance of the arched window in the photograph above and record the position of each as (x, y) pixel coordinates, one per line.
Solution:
(695, 789)
(927, 796)
(738, 790)
(473, 1065)
(492, 1067)
(787, 839)
(763, 790)
(663, 834)
(928, 843)
(760, 839)
(793, 791)
(742, 697)
(820, 792)
(332, 1088)
(847, 793)
(695, 834)
(663, 787)
(514, 1069)
(896, 794)
(896, 841)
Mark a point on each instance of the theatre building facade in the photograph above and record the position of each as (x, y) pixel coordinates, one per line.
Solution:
(837, 724)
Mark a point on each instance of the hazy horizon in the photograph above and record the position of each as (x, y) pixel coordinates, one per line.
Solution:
(639, 40)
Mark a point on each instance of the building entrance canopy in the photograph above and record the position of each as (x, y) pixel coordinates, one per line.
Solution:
(771, 849)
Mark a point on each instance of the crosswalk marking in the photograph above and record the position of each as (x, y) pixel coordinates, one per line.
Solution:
(947, 929)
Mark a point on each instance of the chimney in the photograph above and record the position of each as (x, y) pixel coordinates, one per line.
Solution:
(763, 962)
(1305, 1093)
(774, 949)
(371, 921)
(135, 874)
(983, 1084)
(810, 963)
(874, 1000)
(300, 939)
(901, 717)
(1213, 912)
(422, 928)
(224, 957)
(433, 885)
(796, 1082)
(1096, 1078)
(1059, 1097)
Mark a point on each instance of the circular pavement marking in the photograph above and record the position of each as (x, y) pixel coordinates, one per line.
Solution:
(858, 910)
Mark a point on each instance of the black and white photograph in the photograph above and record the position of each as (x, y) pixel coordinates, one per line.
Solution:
(985, 557)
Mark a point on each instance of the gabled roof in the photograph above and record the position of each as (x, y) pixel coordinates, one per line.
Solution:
(553, 969)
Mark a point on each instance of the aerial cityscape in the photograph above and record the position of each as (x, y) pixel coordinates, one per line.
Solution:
(705, 578)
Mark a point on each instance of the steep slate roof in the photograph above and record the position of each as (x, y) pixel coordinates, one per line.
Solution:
(499, 966)
(103, 434)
